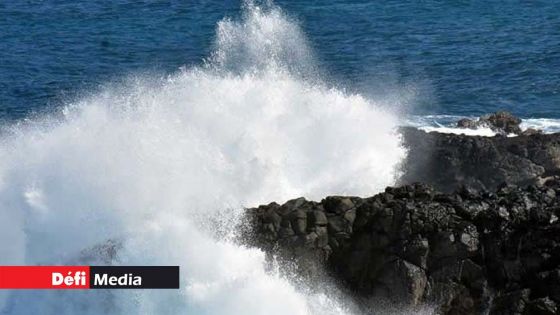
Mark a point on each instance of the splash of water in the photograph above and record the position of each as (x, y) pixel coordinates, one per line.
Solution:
(139, 162)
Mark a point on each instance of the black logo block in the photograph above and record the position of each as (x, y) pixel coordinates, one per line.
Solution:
(134, 277)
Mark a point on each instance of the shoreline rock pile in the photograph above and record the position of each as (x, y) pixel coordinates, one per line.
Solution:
(449, 161)
(502, 122)
(467, 252)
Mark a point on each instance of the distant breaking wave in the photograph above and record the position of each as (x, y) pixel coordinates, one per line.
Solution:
(448, 124)
(160, 165)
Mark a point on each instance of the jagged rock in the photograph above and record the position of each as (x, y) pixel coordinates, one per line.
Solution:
(472, 276)
(502, 122)
(338, 204)
(465, 252)
(542, 306)
(450, 161)
(416, 251)
(513, 303)
(402, 282)
(319, 218)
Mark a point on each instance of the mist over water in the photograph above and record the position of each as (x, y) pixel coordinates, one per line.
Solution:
(142, 162)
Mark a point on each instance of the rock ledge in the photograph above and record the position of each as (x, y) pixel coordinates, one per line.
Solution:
(466, 252)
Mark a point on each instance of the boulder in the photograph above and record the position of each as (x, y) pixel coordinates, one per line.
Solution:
(501, 122)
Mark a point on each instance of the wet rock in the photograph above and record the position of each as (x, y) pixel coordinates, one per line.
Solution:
(319, 218)
(402, 282)
(449, 161)
(337, 224)
(291, 205)
(416, 251)
(467, 252)
(472, 275)
(338, 205)
(513, 303)
(542, 306)
(502, 121)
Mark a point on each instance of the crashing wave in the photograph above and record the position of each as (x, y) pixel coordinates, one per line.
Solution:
(154, 163)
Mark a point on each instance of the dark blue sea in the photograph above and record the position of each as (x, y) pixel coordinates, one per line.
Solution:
(456, 57)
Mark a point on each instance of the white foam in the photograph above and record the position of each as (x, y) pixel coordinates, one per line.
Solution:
(485, 132)
(547, 125)
(447, 124)
(142, 162)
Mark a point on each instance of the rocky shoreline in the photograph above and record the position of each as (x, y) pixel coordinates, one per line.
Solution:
(480, 234)
(465, 252)
(449, 161)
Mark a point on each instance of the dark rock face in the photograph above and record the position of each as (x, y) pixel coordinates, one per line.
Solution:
(468, 252)
(449, 161)
(501, 122)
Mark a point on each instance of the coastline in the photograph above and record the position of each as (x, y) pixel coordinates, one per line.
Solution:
(478, 234)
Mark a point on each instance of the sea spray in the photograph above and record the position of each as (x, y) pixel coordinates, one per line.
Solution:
(141, 162)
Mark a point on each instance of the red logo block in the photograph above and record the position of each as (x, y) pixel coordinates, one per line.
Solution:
(44, 277)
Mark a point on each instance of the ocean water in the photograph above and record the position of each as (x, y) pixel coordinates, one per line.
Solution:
(152, 124)
(462, 58)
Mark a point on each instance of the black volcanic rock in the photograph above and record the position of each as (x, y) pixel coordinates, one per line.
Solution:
(449, 161)
(468, 252)
(501, 122)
